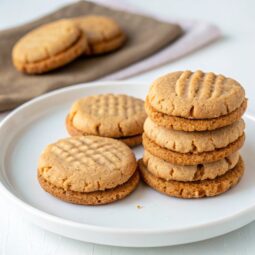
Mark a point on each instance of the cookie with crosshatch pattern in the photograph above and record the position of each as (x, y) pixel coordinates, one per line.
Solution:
(88, 170)
(195, 101)
(108, 115)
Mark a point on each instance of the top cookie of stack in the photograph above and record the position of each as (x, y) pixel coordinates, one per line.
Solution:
(195, 101)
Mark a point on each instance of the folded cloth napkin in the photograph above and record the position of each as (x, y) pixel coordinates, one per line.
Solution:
(196, 35)
(146, 36)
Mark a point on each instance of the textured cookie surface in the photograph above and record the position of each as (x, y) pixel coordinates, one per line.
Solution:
(191, 158)
(48, 47)
(108, 115)
(205, 188)
(167, 171)
(103, 33)
(184, 124)
(194, 142)
(92, 198)
(130, 141)
(195, 95)
(86, 163)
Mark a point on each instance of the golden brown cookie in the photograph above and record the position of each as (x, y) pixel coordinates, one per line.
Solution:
(179, 123)
(92, 198)
(195, 95)
(194, 142)
(167, 171)
(191, 158)
(86, 164)
(103, 33)
(130, 141)
(197, 189)
(108, 115)
(48, 47)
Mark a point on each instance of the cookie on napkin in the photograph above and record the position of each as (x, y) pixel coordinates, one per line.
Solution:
(48, 47)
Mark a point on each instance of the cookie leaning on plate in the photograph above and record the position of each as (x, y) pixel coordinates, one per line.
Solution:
(108, 115)
(88, 170)
(48, 47)
(199, 101)
(103, 33)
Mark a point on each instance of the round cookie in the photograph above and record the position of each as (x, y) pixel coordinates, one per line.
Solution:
(87, 164)
(197, 189)
(48, 47)
(191, 158)
(167, 171)
(130, 141)
(193, 142)
(189, 125)
(195, 95)
(103, 33)
(108, 115)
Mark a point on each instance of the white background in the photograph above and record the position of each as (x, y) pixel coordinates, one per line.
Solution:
(233, 55)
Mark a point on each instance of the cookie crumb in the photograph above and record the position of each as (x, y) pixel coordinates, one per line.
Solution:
(139, 207)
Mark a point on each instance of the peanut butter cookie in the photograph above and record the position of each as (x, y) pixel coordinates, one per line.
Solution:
(88, 170)
(48, 47)
(103, 33)
(167, 171)
(199, 101)
(197, 189)
(117, 116)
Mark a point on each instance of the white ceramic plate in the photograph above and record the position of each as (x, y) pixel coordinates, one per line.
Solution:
(161, 221)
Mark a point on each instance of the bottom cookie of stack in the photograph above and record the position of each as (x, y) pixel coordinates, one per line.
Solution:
(202, 180)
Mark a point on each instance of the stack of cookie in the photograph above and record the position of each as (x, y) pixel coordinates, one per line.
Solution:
(56, 44)
(193, 134)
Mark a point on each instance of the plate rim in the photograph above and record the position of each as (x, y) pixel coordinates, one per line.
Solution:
(28, 208)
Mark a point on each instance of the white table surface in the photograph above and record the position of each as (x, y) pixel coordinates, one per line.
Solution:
(233, 55)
